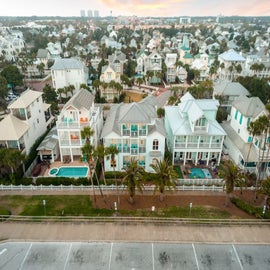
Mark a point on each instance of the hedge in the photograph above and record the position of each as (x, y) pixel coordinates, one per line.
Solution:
(250, 209)
(66, 181)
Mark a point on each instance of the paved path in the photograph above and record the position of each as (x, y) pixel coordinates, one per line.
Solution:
(135, 232)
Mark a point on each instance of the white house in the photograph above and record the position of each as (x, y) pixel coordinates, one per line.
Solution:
(109, 73)
(137, 132)
(228, 92)
(193, 134)
(67, 72)
(170, 62)
(28, 119)
(244, 150)
(141, 58)
(230, 60)
(11, 45)
(80, 111)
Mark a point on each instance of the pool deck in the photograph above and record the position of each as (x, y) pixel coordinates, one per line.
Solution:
(186, 169)
(58, 164)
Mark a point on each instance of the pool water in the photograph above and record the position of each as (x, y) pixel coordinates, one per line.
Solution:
(70, 172)
(199, 173)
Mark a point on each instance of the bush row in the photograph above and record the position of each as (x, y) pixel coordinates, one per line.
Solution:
(250, 209)
(66, 181)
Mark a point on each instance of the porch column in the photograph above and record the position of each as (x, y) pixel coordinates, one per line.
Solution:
(52, 160)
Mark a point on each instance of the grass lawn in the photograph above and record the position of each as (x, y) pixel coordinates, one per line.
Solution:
(81, 205)
(132, 97)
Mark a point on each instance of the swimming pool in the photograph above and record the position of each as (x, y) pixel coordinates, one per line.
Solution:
(69, 171)
(199, 173)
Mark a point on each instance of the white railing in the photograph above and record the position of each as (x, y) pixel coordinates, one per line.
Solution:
(108, 188)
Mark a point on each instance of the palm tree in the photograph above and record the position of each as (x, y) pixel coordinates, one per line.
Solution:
(60, 91)
(87, 133)
(100, 153)
(139, 81)
(119, 88)
(40, 68)
(11, 158)
(149, 75)
(232, 176)
(265, 190)
(264, 124)
(88, 152)
(133, 178)
(254, 130)
(164, 177)
(113, 151)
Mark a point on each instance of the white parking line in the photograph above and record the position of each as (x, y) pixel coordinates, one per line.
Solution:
(238, 259)
(110, 256)
(25, 256)
(3, 251)
(195, 255)
(153, 258)
(69, 249)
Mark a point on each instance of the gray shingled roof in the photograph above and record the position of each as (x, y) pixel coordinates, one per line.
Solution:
(82, 99)
(227, 88)
(249, 107)
(67, 63)
(130, 113)
(232, 55)
(42, 53)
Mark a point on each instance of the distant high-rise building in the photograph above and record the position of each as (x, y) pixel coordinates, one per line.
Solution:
(96, 13)
(82, 13)
(89, 13)
(184, 20)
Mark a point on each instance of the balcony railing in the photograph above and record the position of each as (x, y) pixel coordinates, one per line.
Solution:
(142, 132)
(126, 132)
(134, 133)
(134, 151)
(72, 142)
(142, 149)
(197, 145)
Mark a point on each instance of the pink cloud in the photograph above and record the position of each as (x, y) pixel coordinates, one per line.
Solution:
(188, 7)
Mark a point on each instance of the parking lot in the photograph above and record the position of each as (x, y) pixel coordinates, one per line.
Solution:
(120, 255)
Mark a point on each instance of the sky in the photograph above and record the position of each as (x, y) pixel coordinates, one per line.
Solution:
(141, 8)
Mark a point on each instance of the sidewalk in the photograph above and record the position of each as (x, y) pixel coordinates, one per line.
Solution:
(134, 233)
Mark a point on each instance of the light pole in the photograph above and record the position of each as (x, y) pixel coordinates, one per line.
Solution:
(44, 204)
(190, 207)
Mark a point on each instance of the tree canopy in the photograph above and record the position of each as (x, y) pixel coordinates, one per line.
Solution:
(12, 75)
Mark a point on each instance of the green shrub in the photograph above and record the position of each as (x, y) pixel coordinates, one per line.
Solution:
(250, 209)
(112, 175)
(178, 171)
(66, 181)
(24, 181)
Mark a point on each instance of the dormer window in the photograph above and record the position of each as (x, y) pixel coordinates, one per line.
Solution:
(201, 122)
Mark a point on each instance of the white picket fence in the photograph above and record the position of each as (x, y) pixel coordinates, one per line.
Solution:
(106, 188)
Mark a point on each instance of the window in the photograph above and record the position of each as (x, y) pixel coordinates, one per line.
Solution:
(236, 114)
(155, 144)
(249, 139)
(241, 119)
(248, 121)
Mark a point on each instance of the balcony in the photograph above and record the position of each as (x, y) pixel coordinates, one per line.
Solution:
(142, 149)
(22, 116)
(126, 149)
(134, 151)
(142, 132)
(126, 132)
(134, 133)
